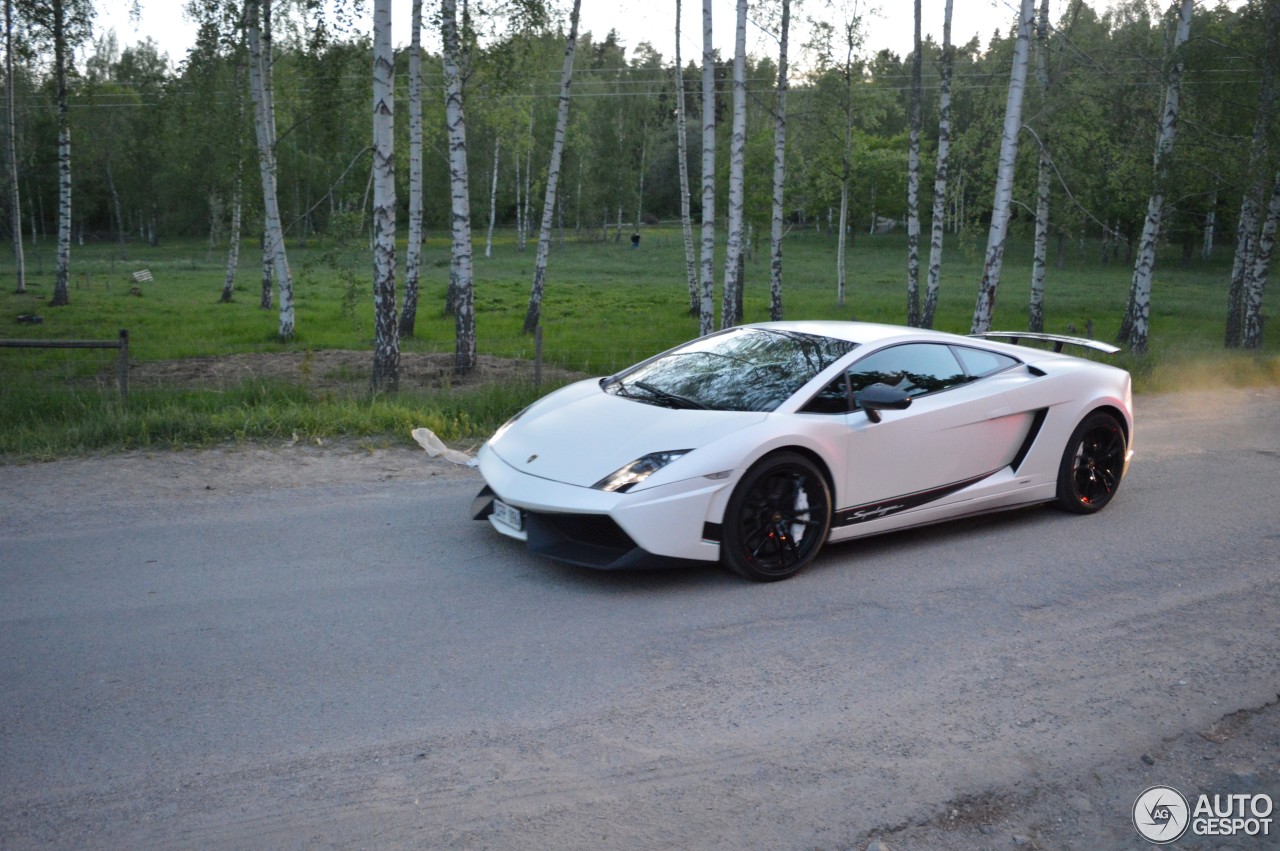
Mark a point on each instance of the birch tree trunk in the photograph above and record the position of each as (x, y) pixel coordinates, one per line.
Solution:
(682, 154)
(1247, 228)
(939, 221)
(706, 307)
(413, 250)
(913, 182)
(986, 305)
(779, 170)
(264, 125)
(460, 272)
(1040, 249)
(15, 197)
(1136, 326)
(117, 212)
(268, 275)
(1257, 280)
(533, 316)
(841, 238)
(1210, 222)
(61, 295)
(493, 196)
(731, 296)
(386, 342)
(233, 246)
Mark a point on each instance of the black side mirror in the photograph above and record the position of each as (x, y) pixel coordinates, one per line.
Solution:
(881, 397)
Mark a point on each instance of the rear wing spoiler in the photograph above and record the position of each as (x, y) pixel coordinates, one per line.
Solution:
(1058, 340)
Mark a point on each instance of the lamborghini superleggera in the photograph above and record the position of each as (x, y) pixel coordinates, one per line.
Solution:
(757, 445)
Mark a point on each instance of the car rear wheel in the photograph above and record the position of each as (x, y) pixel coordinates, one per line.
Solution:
(778, 518)
(1092, 464)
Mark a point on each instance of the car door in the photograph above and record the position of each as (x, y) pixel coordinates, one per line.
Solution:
(958, 430)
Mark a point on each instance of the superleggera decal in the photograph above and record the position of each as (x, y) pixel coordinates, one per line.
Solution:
(876, 510)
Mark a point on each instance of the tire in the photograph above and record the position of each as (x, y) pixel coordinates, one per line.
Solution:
(1092, 464)
(777, 519)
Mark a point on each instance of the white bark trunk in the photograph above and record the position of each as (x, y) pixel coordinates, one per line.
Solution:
(706, 308)
(386, 344)
(533, 316)
(913, 181)
(493, 196)
(1256, 283)
(985, 307)
(1210, 222)
(731, 297)
(841, 239)
(1040, 246)
(264, 124)
(460, 283)
(938, 223)
(413, 249)
(15, 197)
(61, 295)
(233, 243)
(779, 170)
(1138, 316)
(682, 155)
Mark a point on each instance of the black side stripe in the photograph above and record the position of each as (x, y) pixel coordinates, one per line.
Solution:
(876, 510)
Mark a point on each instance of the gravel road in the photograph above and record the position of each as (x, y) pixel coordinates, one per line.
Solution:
(311, 646)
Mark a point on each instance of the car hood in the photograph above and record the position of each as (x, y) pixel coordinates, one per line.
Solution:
(580, 434)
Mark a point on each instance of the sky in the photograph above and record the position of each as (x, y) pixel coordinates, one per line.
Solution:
(888, 23)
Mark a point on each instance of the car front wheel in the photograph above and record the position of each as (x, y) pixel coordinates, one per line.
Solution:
(778, 518)
(1092, 464)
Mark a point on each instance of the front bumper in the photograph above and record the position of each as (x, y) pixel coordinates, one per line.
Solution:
(602, 530)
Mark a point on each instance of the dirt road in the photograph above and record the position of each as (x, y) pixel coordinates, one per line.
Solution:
(311, 646)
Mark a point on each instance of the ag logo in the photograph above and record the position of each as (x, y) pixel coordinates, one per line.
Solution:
(1161, 815)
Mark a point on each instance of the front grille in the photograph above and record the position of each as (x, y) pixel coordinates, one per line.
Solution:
(591, 540)
(596, 530)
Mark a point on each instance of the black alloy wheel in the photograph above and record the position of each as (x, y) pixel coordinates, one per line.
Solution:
(778, 518)
(1092, 464)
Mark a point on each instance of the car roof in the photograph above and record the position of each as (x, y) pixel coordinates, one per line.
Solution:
(862, 333)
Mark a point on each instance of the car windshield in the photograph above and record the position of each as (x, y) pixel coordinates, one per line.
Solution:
(743, 369)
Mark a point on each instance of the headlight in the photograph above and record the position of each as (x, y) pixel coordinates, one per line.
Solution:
(638, 470)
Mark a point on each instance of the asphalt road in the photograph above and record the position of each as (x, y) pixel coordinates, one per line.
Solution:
(194, 657)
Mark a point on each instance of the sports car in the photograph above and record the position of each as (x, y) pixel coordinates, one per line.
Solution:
(757, 445)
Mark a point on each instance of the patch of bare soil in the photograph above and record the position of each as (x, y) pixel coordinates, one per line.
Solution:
(336, 370)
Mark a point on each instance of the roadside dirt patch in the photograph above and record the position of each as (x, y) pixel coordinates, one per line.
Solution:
(336, 370)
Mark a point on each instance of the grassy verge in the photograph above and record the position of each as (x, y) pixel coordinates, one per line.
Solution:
(606, 305)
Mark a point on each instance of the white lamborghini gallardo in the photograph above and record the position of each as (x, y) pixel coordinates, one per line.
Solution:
(756, 445)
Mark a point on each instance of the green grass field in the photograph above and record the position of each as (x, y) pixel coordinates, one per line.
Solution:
(606, 305)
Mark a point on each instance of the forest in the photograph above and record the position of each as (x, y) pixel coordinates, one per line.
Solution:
(1109, 131)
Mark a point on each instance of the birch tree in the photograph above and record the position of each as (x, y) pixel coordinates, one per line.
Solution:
(913, 181)
(1040, 244)
(682, 155)
(779, 169)
(706, 306)
(731, 295)
(258, 29)
(386, 344)
(15, 197)
(938, 222)
(1136, 326)
(985, 307)
(533, 316)
(460, 271)
(64, 23)
(413, 250)
(1257, 280)
(1250, 220)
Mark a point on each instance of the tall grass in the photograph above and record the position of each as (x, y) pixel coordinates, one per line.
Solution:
(606, 305)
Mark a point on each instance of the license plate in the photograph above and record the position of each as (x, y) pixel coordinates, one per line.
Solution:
(508, 515)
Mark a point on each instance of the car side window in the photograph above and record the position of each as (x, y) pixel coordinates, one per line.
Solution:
(980, 363)
(917, 368)
(832, 399)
